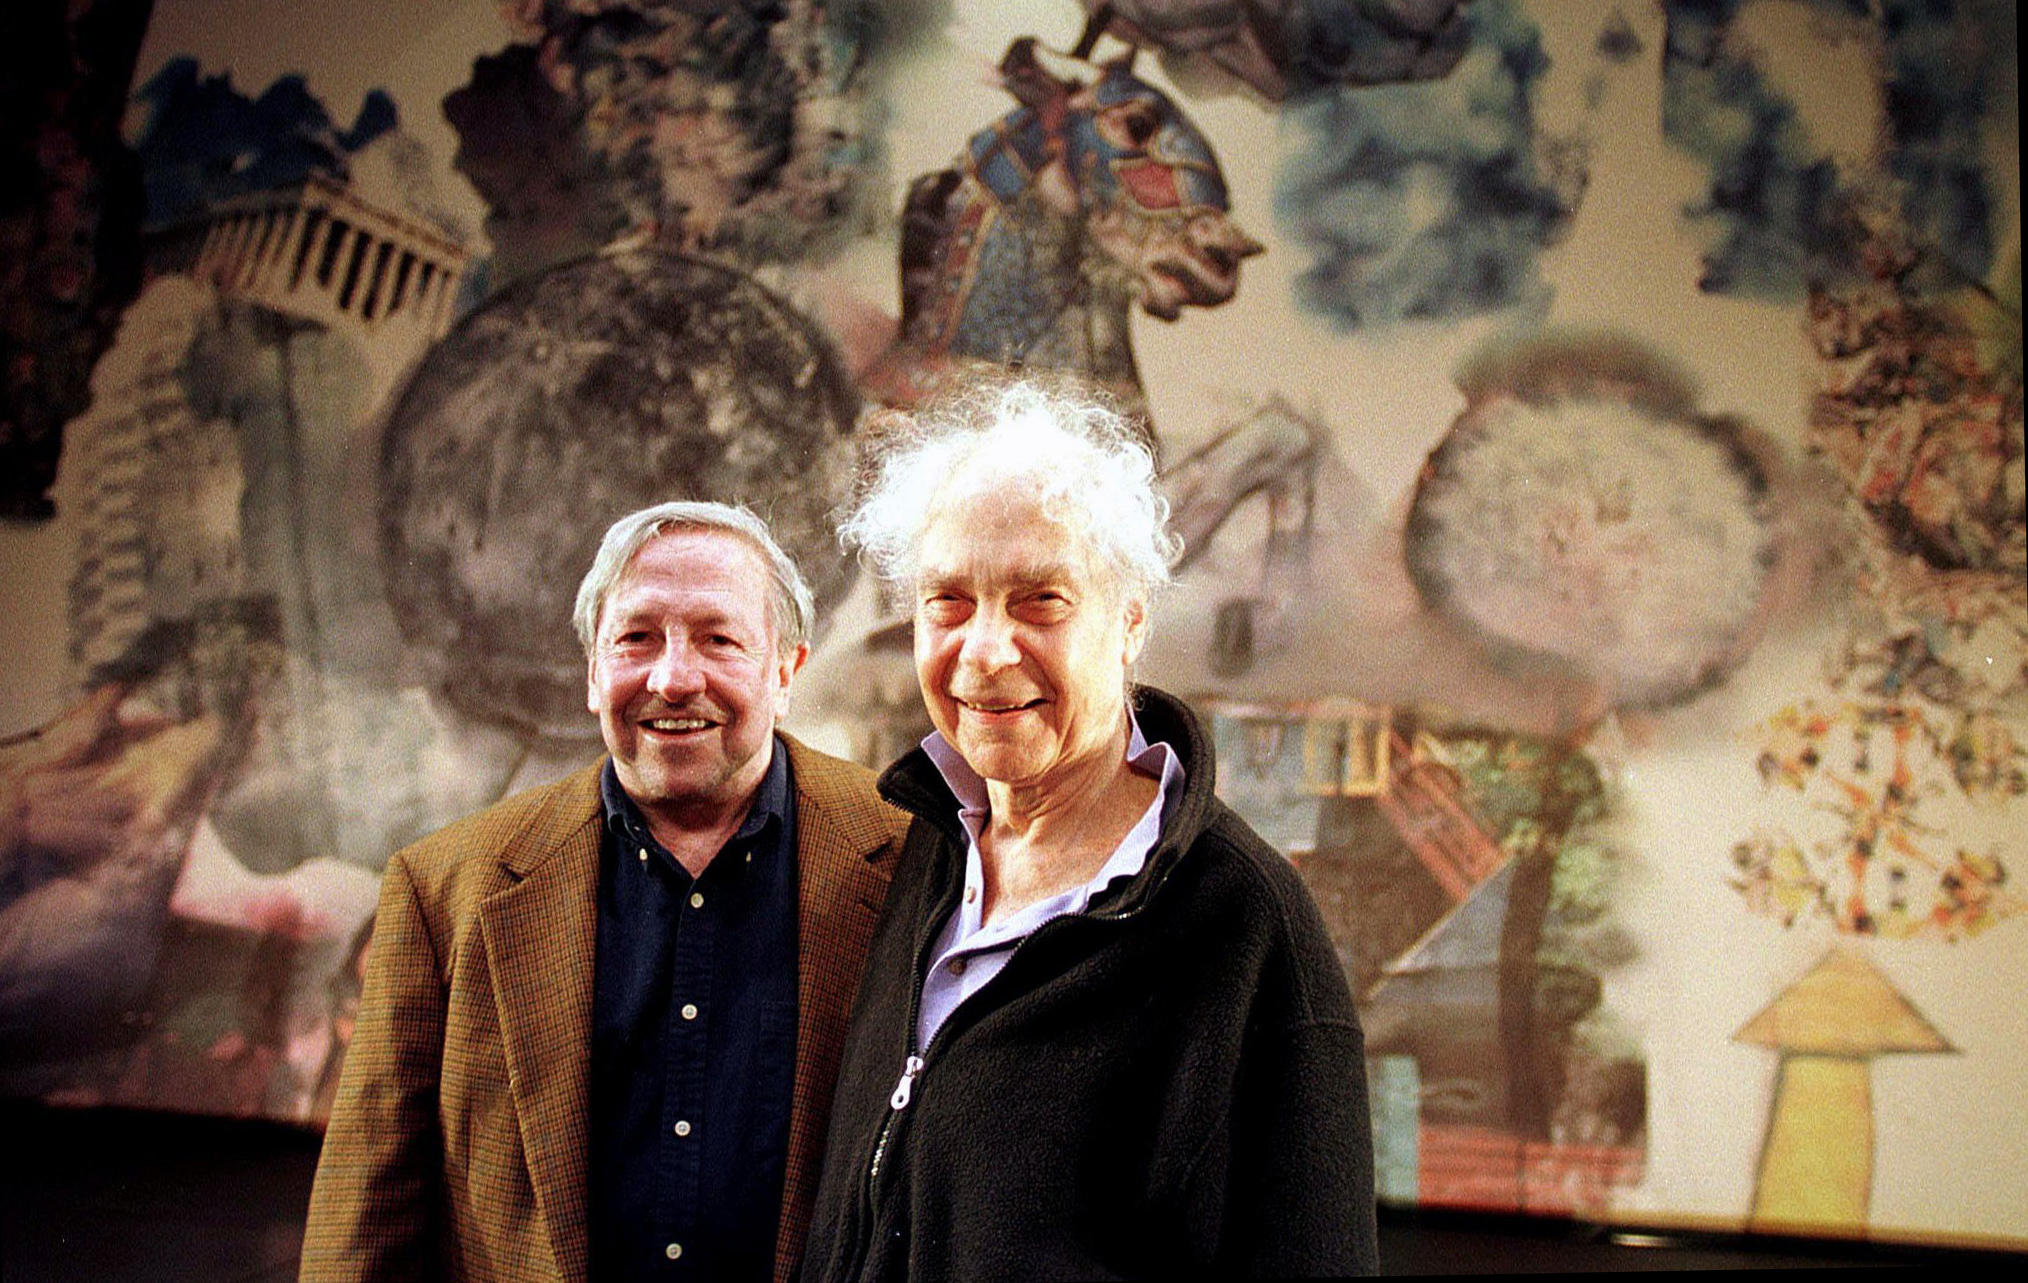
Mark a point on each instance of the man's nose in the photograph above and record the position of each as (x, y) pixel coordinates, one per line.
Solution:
(989, 642)
(675, 674)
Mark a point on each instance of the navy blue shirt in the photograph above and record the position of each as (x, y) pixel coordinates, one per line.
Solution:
(693, 1045)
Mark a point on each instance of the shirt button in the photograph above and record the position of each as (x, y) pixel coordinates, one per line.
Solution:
(971, 894)
(690, 1011)
(697, 899)
(644, 855)
(673, 1251)
(957, 966)
(682, 1127)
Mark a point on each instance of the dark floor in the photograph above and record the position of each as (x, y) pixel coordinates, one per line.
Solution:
(110, 1196)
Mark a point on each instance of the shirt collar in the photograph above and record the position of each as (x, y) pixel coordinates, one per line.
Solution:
(1127, 859)
(770, 803)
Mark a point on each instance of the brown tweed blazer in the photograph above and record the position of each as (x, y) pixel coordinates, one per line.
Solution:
(457, 1143)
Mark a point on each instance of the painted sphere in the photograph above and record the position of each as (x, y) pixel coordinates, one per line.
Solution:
(568, 400)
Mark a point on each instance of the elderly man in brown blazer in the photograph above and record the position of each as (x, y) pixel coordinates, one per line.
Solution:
(602, 1018)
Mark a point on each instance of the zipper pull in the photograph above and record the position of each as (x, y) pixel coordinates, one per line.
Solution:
(901, 1089)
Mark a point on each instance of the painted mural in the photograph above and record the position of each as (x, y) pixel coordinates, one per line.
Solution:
(1596, 432)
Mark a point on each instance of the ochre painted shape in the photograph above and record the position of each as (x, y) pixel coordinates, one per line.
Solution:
(1842, 1007)
(1816, 1170)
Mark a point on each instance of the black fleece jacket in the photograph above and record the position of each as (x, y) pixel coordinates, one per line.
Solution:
(1170, 1084)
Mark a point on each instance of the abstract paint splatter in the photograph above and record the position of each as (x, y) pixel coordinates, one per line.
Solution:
(1286, 48)
(743, 129)
(1889, 782)
(1926, 439)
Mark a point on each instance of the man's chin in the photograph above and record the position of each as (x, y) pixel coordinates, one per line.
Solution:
(672, 774)
(995, 757)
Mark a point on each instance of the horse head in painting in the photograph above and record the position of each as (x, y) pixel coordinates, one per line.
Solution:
(1095, 194)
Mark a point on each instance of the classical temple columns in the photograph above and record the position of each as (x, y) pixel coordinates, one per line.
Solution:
(318, 252)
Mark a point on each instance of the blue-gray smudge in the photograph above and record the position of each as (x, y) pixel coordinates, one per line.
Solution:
(1424, 202)
(206, 142)
(1778, 206)
(1372, 42)
(1617, 41)
(1951, 67)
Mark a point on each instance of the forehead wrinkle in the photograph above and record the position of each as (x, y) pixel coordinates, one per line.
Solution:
(1021, 574)
(695, 606)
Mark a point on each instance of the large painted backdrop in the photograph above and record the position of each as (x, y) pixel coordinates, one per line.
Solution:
(1597, 430)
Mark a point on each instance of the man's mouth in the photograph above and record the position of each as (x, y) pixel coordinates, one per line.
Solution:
(1000, 707)
(676, 725)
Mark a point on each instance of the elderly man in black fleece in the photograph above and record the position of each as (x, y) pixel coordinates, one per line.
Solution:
(1102, 1032)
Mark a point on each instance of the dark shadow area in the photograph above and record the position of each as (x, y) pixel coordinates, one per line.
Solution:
(110, 1195)
(121, 1196)
(1447, 1241)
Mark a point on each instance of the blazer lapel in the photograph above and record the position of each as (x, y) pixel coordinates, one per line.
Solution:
(539, 935)
(846, 842)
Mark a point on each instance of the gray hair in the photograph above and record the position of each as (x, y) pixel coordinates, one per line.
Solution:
(1087, 467)
(792, 611)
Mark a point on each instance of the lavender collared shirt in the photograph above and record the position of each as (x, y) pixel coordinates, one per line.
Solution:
(967, 952)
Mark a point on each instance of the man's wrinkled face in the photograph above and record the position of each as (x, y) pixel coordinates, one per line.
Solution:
(1022, 642)
(686, 675)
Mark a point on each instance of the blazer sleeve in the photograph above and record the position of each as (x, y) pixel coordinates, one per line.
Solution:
(374, 1204)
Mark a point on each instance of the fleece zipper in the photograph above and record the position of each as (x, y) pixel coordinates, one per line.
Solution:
(914, 1058)
(914, 1062)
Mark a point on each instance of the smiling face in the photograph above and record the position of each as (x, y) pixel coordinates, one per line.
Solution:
(1022, 644)
(686, 676)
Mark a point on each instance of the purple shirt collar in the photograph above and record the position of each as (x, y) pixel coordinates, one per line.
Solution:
(980, 951)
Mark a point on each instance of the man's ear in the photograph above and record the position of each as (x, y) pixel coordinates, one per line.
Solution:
(785, 676)
(1137, 629)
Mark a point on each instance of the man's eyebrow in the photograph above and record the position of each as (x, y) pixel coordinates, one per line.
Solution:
(1036, 575)
(704, 617)
(719, 621)
(1042, 573)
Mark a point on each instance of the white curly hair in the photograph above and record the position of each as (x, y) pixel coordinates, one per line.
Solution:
(1086, 466)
